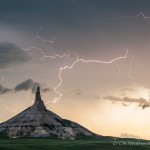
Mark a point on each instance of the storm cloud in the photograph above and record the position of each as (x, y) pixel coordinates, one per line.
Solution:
(140, 101)
(30, 84)
(11, 54)
(25, 85)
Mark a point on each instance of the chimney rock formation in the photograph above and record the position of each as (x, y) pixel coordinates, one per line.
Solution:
(37, 121)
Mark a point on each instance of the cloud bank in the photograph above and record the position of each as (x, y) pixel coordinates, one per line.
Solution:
(11, 54)
(140, 101)
(30, 84)
(27, 85)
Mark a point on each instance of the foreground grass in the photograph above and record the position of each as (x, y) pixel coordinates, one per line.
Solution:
(79, 144)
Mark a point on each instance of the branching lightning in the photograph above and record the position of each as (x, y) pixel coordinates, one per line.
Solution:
(56, 99)
(47, 56)
(130, 69)
(136, 16)
(61, 69)
(77, 60)
(140, 14)
(44, 56)
(42, 39)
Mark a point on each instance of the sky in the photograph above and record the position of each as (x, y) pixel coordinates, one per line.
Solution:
(90, 58)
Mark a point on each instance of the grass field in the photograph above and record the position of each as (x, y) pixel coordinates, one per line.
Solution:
(79, 144)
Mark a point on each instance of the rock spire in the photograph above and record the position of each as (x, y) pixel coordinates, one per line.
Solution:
(38, 101)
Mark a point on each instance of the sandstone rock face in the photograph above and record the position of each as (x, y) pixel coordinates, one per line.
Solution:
(40, 132)
(37, 121)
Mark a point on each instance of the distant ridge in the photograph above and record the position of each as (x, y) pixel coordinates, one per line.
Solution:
(131, 136)
(37, 121)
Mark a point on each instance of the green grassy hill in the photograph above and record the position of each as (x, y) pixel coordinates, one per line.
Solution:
(79, 144)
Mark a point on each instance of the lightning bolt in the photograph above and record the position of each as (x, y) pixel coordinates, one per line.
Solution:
(47, 56)
(140, 14)
(42, 39)
(78, 60)
(44, 56)
(61, 69)
(130, 70)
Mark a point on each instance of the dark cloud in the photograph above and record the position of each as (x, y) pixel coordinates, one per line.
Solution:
(66, 6)
(141, 101)
(27, 85)
(144, 106)
(30, 84)
(73, 22)
(24, 86)
(11, 54)
(125, 99)
(4, 90)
